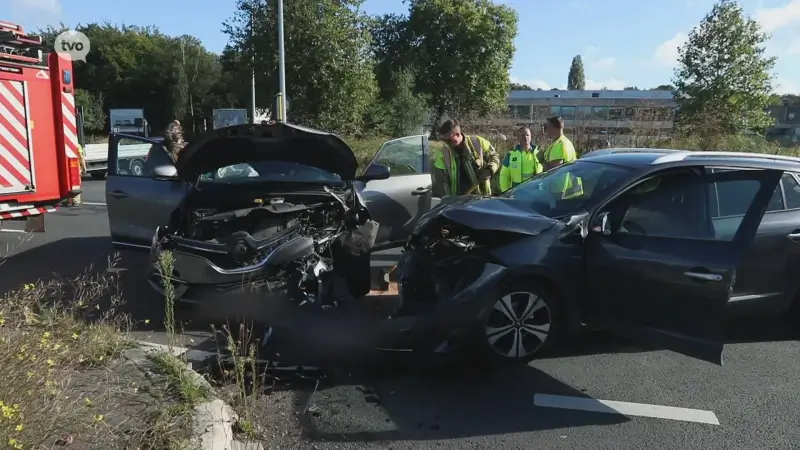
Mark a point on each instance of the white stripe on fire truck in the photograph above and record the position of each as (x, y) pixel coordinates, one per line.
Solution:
(26, 212)
(70, 136)
(13, 131)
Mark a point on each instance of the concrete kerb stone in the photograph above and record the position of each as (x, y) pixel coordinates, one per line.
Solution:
(213, 419)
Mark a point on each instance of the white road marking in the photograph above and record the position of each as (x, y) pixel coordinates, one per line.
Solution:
(625, 408)
(93, 204)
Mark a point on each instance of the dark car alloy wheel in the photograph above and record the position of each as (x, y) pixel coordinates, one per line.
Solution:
(519, 325)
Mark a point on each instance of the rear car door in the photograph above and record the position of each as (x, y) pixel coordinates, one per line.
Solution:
(766, 282)
(138, 203)
(660, 272)
(398, 202)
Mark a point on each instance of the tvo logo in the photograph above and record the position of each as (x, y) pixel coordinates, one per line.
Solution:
(72, 44)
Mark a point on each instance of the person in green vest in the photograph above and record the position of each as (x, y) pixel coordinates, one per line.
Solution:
(561, 151)
(521, 163)
(465, 165)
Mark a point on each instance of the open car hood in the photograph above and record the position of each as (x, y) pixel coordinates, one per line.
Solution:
(278, 142)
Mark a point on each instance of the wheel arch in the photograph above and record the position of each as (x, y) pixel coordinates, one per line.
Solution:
(566, 301)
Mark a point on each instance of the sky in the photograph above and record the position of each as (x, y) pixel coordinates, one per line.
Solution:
(622, 42)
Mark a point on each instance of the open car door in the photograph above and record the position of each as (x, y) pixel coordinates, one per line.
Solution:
(137, 201)
(659, 270)
(398, 202)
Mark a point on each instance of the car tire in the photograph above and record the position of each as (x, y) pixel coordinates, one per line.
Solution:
(524, 323)
(99, 175)
(137, 167)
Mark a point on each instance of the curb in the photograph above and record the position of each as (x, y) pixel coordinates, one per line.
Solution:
(212, 427)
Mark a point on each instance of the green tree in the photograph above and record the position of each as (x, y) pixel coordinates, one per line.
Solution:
(520, 87)
(723, 80)
(329, 76)
(94, 118)
(576, 80)
(664, 87)
(463, 52)
(631, 88)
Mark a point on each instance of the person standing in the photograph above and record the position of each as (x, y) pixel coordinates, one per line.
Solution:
(173, 139)
(465, 165)
(560, 150)
(521, 163)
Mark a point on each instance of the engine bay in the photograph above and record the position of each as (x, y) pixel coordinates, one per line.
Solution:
(312, 246)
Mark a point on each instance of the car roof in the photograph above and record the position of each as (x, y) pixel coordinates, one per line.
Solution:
(641, 157)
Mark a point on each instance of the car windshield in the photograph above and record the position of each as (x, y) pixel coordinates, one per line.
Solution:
(269, 171)
(569, 188)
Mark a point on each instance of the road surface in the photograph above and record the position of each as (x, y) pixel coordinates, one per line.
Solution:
(755, 397)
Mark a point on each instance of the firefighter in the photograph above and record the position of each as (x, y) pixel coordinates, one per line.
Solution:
(173, 139)
(521, 163)
(560, 150)
(465, 165)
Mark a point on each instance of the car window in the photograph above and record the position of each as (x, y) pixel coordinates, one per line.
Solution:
(728, 201)
(269, 171)
(678, 206)
(138, 158)
(791, 190)
(567, 189)
(403, 156)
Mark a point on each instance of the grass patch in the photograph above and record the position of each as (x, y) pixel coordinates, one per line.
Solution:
(180, 380)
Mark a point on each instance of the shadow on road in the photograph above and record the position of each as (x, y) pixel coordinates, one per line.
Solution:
(70, 257)
(408, 407)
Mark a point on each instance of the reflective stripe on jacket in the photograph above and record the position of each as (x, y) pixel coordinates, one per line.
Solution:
(479, 149)
(519, 166)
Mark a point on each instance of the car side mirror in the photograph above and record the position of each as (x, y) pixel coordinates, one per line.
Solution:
(374, 172)
(602, 224)
(165, 171)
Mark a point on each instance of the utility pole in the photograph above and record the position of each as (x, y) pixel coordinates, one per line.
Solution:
(281, 67)
(252, 68)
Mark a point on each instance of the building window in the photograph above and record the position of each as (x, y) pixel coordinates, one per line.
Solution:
(555, 110)
(645, 114)
(511, 109)
(583, 112)
(615, 113)
(599, 112)
(568, 112)
(522, 111)
(630, 113)
(541, 112)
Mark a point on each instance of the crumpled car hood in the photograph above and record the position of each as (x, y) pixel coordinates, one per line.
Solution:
(490, 213)
(278, 142)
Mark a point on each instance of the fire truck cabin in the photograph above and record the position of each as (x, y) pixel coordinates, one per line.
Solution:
(39, 152)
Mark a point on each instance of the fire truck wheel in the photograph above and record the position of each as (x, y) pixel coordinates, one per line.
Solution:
(137, 167)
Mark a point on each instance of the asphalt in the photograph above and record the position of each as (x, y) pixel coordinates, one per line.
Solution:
(755, 396)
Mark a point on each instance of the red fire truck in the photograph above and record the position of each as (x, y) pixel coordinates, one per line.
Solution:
(39, 153)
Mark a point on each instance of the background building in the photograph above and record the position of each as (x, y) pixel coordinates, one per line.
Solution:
(787, 124)
(616, 117)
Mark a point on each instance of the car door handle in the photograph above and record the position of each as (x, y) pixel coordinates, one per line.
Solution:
(703, 276)
(794, 235)
(118, 194)
(421, 191)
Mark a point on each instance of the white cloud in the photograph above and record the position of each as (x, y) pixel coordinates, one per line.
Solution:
(787, 87)
(666, 53)
(537, 84)
(35, 13)
(772, 19)
(612, 84)
(590, 50)
(794, 48)
(604, 63)
(36, 6)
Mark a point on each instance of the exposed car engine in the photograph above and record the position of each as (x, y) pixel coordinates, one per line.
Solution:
(292, 242)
